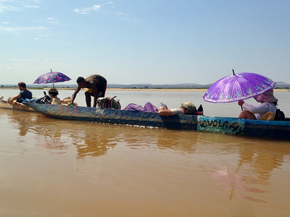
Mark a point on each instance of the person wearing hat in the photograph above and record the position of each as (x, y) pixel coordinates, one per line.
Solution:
(186, 108)
(53, 96)
(268, 104)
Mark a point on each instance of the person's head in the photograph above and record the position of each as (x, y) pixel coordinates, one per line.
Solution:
(53, 92)
(266, 97)
(82, 82)
(188, 107)
(21, 85)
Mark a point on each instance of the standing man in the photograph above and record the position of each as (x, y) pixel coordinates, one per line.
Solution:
(96, 86)
(24, 94)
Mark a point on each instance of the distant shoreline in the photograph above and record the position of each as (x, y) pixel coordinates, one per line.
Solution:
(131, 89)
(193, 90)
(136, 89)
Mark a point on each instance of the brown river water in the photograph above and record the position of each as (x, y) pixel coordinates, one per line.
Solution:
(51, 167)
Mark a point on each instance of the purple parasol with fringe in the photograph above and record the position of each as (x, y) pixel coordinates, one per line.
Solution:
(238, 87)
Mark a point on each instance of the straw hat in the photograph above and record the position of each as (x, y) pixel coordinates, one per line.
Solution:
(189, 106)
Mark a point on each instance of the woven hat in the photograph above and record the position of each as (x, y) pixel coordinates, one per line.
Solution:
(189, 106)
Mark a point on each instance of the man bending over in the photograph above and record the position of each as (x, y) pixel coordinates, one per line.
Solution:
(95, 85)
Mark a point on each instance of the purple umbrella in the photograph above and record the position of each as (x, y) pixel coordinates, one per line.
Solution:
(51, 77)
(238, 87)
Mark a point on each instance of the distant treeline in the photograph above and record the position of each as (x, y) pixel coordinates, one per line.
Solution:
(135, 86)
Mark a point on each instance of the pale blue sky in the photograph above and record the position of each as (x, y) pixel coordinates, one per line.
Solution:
(144, 41)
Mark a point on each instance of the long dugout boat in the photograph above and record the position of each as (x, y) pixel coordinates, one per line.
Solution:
(225, 125)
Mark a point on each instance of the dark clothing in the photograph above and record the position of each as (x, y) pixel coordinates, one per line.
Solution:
(101, 90)
(101, 85)
(26, 94)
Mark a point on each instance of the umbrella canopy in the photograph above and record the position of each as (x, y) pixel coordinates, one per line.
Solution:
(51, 77)
(238, 87)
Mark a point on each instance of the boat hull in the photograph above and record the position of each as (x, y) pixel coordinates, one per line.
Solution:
(19, 107)
(225, 125)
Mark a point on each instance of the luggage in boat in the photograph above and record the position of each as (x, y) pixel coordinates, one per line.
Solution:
(280, 116)
(107, 102)
(43, 100)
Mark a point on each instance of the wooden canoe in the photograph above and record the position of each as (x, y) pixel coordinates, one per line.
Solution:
(225, 125)
(16, 106)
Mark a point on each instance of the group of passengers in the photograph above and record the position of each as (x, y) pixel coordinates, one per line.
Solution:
(96, 86)
(26, 94)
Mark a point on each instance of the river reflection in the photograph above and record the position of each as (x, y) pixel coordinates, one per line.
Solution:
(256, 163)
(200, 168)
(94, 139)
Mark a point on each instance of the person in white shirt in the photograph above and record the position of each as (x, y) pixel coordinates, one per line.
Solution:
(268, 104)
(186, 108)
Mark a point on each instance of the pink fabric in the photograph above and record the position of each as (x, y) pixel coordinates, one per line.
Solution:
(266, 97)
(148, 107)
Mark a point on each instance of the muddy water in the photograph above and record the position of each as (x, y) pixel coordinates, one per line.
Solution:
(62, 168)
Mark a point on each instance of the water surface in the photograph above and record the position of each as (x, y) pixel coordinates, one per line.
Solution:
(64, 168)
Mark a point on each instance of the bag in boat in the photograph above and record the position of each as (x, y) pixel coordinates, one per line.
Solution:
(280, 116)
(43, 100)
(107, 102)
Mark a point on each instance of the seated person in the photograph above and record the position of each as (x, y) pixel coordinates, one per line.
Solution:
(54, 100)
(268, 104)
(24, 94)
(53, 96)
(186, 108)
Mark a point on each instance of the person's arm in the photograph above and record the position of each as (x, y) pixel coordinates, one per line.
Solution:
(241, 102)
(260, 109)
(164, 112)
(14, 98)
(75, 94)
(169, 112)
